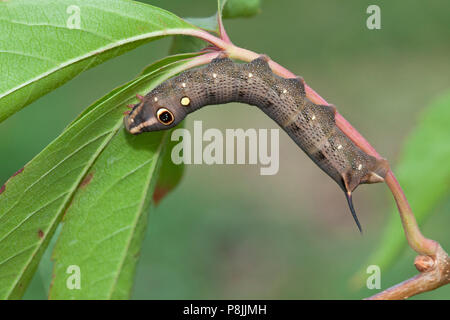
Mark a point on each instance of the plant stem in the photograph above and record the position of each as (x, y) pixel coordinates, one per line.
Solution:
(434, 274)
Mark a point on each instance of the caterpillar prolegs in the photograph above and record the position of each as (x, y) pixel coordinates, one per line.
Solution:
(311, 126)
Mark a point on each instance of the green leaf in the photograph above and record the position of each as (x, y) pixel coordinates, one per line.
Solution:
(42, 46)
(105, 223)
(186, 44)
(170, 173)
(240, 8)
(206, 23)
(424, 174)
(220, 5)
(149, 69)
(33, 202)
(168, 60)
(236, 9)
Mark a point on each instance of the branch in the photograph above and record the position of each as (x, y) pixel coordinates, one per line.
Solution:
(428, 250)
(435, 272)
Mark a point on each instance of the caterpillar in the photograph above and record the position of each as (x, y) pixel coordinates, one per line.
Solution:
(284, 100)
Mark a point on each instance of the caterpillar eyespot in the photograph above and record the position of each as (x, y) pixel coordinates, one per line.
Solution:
(311, 126)
(165, 116)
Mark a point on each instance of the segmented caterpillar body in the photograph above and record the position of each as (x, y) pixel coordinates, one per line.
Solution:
(311, 126)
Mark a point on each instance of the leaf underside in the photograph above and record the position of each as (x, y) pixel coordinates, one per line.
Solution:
(95, 177)
(106, 29)
(33, 202)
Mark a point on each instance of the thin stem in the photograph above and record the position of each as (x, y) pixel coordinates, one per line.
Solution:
(223, 33)
(197, 61)
(434, 273)
(416, 240)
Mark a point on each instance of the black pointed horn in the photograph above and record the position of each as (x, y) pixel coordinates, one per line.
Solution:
(350, 204)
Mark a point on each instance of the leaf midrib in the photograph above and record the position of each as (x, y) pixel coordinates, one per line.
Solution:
(94, 53)
(156, 159)
(65, 203)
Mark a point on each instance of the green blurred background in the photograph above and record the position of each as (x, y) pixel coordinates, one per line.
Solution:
(226, 232)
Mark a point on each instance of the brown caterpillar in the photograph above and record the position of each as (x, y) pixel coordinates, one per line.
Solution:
(311, 126)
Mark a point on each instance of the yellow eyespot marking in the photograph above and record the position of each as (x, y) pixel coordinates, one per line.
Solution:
(185, 101)
(250, 75)
(183, 84)
(360, 167)
(155, 98)
(214, 75)
(340, 147)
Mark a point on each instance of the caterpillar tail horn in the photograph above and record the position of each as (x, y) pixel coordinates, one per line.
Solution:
(348, 195)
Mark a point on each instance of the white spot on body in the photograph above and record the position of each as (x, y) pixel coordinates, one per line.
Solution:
(183, 84)
(284, 90)
(313, 117)
(339, 147)
(250, 75)
(360, 167)
(185, 101)
(214, 75)
(155, 98)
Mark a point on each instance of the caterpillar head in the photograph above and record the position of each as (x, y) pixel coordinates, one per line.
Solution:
(156, 112)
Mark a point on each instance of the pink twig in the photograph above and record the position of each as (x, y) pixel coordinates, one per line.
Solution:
(222, 31)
